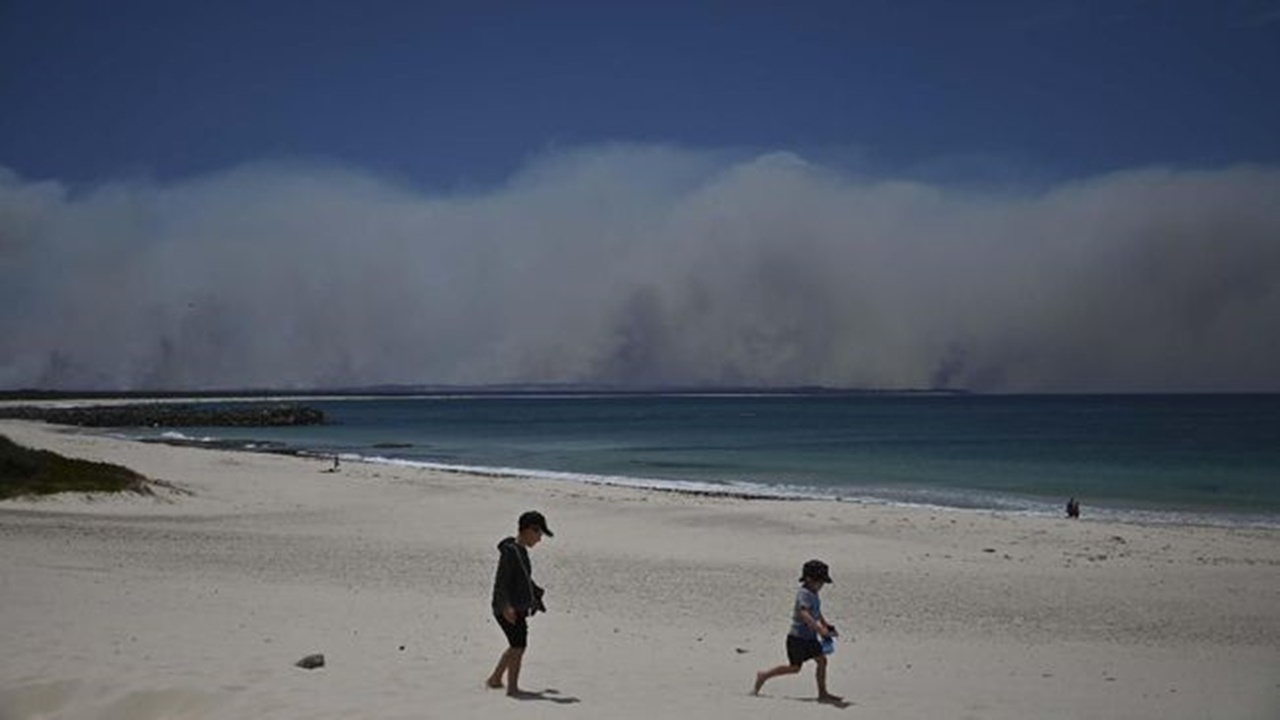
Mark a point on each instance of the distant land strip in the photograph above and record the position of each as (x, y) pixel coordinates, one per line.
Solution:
(170, 415)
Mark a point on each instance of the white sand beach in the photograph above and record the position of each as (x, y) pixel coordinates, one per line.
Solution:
(660, 604)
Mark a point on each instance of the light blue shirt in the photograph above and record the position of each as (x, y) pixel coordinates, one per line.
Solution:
(806, 599)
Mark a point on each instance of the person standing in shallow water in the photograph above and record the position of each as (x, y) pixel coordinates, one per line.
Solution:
(808, 631)
(1073, 508)
(516, 597)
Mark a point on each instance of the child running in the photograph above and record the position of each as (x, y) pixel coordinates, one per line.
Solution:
(808, 630)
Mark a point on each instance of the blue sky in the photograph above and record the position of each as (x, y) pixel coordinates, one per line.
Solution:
(1039, 196)
(457, 93)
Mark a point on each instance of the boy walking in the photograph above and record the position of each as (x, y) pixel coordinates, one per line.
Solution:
(516, 597)
(808, 631)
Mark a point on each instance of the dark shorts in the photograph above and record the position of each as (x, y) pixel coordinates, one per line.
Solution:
(518, 633)
(800, 649)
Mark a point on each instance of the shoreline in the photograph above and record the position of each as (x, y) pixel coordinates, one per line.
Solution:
(1144, 502)
(199, 605)
(1029, 506)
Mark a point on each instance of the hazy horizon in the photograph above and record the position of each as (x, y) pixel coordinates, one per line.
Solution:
(643, 265)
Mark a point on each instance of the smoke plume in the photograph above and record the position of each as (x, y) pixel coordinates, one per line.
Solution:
(643, 265)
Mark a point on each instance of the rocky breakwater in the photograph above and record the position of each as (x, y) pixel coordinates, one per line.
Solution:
(172, 415)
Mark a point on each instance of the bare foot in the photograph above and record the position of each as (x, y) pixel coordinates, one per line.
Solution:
(759, 683)
(493, 684)
(829, 698)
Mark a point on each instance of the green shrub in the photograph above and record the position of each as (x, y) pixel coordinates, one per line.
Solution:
(24, 471)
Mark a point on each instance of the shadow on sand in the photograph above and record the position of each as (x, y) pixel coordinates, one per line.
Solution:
(549, 695)
(838, 704)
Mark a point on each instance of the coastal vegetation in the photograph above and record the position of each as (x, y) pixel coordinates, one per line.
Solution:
(24, 471)
(156, 414)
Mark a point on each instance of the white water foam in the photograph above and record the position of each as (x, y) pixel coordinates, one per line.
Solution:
(933, 500)
(180, 437)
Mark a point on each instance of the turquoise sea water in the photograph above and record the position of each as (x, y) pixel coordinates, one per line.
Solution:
(1160, 458)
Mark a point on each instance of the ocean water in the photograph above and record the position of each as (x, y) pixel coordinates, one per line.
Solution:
(1186, 458)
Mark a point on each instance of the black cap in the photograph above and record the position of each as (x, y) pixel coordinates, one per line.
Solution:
(815, 570)
(533, 518)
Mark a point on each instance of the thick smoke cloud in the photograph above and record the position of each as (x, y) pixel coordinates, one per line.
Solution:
(642, 265)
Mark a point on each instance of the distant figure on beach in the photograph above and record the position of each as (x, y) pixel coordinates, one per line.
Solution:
(811, 637)
(1073, 508)
(516, 597)
(335, 463)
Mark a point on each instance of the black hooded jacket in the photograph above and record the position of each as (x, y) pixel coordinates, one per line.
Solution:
(513, 584)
